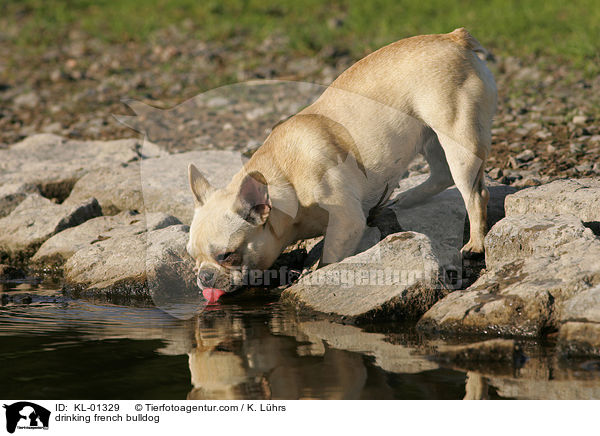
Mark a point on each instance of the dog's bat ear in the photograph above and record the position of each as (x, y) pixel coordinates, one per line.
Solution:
(253, 202)
(199, 185)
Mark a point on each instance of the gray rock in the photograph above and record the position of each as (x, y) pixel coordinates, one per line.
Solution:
(496, 204)
(579, 333)
(396, 279)
(11, 194)
(443, 218)
(521, 237)
(140, 265)
(35, 220)
(60, 247)
(579, 197)
(160, 185)
(530, 273)
(170, 273)
(165, 184)
(54, 163)
(116, 265)
(116, 189)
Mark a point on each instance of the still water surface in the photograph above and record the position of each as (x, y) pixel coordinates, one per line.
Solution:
(55, 347)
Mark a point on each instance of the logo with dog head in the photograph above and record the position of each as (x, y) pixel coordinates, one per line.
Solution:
(26, 415)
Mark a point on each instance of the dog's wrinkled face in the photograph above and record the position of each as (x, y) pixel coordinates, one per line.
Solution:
(229, 235)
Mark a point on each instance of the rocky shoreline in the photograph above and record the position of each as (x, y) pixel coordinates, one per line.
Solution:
(110, 218)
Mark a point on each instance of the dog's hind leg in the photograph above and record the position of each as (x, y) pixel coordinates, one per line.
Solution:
(439, 179)
(463, 129)
(467, 170)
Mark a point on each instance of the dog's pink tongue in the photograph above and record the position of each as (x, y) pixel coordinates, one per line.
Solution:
(212, 295)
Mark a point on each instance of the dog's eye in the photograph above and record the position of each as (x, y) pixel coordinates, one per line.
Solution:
(223, 256)
(229, 258)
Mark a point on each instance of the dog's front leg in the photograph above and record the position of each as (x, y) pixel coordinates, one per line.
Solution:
(345, 228)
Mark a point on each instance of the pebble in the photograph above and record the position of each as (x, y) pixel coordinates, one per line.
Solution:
(576, 148)
(543, 134)
(525, 155)
(496, 173)
(527, 182)
(515, 146)
(28, 100)
(217, 102)
(56, 75)
(531, 126)
(52, 128)
(584, 167)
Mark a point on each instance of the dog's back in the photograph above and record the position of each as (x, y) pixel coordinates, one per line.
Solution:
(430, 78)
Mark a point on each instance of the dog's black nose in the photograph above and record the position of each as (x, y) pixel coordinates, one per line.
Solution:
(206, 276)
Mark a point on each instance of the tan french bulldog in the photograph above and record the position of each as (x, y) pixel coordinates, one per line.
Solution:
(321, 171)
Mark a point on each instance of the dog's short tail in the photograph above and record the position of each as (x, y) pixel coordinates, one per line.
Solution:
(462, 37)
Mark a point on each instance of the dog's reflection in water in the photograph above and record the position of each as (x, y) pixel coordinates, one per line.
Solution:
(226, 364)
(476, 387)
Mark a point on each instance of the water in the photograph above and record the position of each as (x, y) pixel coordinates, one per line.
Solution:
(54, 347)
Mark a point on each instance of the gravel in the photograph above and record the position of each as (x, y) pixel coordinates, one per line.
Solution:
(547, 126)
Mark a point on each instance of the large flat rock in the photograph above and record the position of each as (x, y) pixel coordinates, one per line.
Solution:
(35, 220)
(448, 226)
(117, 189)
(60, 247)
(578, 197)
(399, 278)
(535, 263)
(143, 264)
(118, 263)
(54, 163)
(170, 275)
(443, 218)
(156, 184)
(521, 237)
